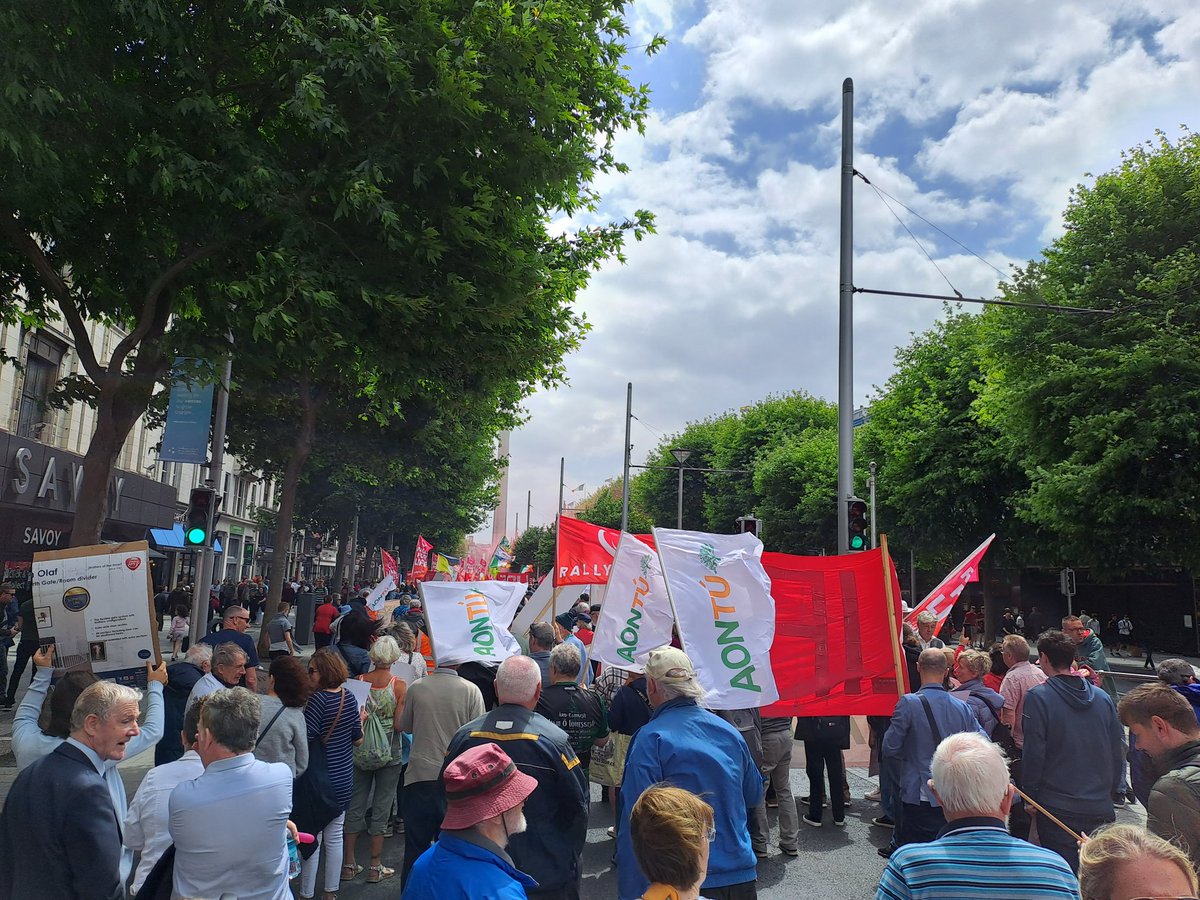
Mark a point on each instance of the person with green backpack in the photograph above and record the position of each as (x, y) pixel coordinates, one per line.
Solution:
(377, 762)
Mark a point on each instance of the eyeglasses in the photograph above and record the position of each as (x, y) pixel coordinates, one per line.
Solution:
(712, 832)
(239, 618)
(312, 671)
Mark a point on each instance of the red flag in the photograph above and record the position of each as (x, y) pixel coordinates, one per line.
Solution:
(420, 566)
(836, 651)
(390, 567)
(584, 552)
(943, 597)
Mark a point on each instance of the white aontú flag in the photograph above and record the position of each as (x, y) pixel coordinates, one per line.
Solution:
(468, 620)
(726, 615)
(637, 614)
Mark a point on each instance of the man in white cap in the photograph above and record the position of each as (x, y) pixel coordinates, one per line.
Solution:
(485, 799)
(689, 747)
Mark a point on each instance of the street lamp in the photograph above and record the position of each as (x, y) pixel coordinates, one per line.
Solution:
(681, 456)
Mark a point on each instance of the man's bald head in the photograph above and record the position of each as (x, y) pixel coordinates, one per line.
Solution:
(932, 666)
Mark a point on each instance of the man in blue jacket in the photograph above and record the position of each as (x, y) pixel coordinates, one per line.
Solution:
(690, 748)
(1073, 763)
(919, 723)
(550, 850)
(485, 799)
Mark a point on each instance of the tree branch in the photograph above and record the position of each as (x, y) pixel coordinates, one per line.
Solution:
(57, 285)
(147, 320)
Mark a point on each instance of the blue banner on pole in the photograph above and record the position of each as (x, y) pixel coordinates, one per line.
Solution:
(189, 415)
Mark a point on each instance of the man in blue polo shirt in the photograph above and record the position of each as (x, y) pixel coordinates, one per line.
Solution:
(974, 855)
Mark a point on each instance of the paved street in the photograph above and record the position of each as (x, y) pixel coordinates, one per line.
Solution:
(834, 863)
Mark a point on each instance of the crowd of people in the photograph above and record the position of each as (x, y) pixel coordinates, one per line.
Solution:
(999, 773)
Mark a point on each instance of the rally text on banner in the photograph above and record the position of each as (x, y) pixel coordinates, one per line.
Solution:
(584, 552)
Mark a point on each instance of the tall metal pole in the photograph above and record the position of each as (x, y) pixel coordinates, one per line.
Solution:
(516, 526)
(562, 474)
(216, 462)
(353, 554)
(528, 508)
(846, 323)
(679, 518)
(871, 484)
(628, 449)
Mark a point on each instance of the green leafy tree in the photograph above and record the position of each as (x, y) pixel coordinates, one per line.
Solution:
(945, 472)
(301, 173)
(603, 508)
(530, 549)
(797, 483)
(1103, 412)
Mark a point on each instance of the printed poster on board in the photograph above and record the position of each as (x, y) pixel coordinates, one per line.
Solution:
(97, 605)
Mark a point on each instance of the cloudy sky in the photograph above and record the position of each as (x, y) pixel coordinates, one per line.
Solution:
(980, 116)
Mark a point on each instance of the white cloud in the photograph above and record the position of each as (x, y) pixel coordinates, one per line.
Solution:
(979, 116)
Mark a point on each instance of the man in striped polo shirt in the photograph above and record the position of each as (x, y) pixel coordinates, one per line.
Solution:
(974, 855)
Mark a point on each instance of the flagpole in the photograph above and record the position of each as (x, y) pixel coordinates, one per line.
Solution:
(891, 610)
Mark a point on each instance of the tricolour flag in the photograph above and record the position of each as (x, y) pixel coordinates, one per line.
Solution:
(637, 611)
(722, 601)
(469, 621)
(942, 598)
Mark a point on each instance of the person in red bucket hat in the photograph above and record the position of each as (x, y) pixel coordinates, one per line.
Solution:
(485, 798)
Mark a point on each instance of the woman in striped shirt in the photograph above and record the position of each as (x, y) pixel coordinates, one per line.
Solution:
(333, 711)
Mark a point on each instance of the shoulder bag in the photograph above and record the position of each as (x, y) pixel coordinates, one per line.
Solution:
(314, 801)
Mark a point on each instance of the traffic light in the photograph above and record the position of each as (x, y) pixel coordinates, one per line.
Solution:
(748, 525)
(856, 536)
(198, 522)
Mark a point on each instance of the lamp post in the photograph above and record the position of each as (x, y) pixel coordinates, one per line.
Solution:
(681, 456)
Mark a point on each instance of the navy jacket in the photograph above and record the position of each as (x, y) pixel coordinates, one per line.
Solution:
(556, 812)
(1074, 750)
(59, 835)
(181, 678)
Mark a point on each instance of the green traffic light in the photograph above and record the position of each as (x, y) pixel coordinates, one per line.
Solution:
(858, 542)
(196, 535)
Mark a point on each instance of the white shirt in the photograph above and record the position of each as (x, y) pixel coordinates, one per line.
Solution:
(146, 825)
(230, 830)
(207, 684)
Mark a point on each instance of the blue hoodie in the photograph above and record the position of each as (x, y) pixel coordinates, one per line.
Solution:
(1074, 754)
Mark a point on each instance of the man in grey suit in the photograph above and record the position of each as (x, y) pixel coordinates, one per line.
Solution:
(59, 835)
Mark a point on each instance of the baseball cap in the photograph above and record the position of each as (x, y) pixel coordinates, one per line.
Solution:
(668, 665)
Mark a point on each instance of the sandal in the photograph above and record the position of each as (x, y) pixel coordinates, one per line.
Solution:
(350, 871)
(376, 874)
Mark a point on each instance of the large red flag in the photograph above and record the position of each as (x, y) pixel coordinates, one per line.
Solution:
(836, 651)
(390, 567)
(584, 552)
(943, 597)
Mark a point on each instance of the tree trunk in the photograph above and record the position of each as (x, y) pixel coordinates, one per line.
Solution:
(338, 586)
(369, 569)
(122, 400)
(311, 404)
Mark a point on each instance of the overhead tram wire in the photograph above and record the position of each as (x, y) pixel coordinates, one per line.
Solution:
(957, 296)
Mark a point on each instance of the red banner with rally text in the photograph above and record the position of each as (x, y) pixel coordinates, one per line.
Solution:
(836, 652)
(584, 552)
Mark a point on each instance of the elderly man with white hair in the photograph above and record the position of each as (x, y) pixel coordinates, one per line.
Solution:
(974, 855)
(689, 747)
(926, 625)
(550, 849)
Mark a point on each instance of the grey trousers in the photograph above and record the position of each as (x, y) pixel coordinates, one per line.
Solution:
(777, 763)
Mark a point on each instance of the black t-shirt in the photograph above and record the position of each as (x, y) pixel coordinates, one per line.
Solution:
(29, 629)
(577, 711)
